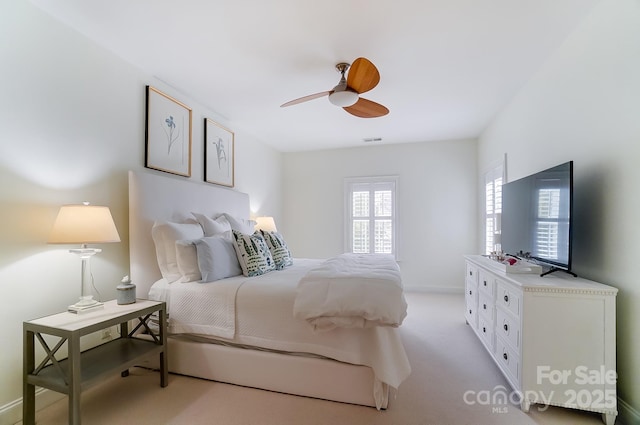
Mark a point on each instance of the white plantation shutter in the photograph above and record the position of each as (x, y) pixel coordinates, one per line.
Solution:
(370, 215)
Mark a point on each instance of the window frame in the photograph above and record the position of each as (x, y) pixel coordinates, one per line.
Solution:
(349, 184)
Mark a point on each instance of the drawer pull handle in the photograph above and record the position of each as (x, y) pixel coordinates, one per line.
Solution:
(469, 291)
(484, 329)
(484, 306)
(506, 327)
(485, 283)
(505, 356)
(506, 298)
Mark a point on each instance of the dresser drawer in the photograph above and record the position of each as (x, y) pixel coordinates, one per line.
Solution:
(508, 360)
(486, 282)
(485, 329)
(471, 290)
(508, 298)
(472, 273)
(485, 307)
(508, 328)
(471, 315)
(471, 301)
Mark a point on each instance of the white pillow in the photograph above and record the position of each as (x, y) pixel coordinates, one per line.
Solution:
(217, 258)
(241, 225)
(253, 254)
(165, 234)
(213, 227)
(279, 249)
(187, 259)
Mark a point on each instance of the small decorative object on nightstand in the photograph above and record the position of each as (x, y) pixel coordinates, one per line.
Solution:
(126, 291)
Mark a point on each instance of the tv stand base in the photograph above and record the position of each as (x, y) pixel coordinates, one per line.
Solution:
(556, 269)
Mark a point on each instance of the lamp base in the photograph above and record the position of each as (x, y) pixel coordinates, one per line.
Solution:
(85, 305)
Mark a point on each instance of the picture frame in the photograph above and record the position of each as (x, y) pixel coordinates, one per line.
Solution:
(219, 154)
(167, 134)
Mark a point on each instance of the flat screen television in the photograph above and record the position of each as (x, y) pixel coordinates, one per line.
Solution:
(537, 213)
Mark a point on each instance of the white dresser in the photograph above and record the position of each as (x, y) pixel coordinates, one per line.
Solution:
(553, 337)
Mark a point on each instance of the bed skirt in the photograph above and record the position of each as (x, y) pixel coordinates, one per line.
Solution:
(298, 375)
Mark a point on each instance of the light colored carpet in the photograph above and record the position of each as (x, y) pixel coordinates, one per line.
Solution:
(447, 360)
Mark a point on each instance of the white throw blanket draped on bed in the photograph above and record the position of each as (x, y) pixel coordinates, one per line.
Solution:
(352, 291)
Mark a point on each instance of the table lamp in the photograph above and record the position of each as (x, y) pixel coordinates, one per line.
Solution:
(84, 224)
(266, 223)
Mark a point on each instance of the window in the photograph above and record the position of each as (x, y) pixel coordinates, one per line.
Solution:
(493, 208)
(370, 208)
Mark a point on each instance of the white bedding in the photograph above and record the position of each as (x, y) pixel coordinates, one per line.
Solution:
(352, 291)
(262, 316)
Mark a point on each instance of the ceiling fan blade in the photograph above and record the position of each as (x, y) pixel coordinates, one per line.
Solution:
(306, 98)
(364, 108)
(363, 75)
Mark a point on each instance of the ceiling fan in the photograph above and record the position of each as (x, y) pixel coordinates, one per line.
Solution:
(363, 76)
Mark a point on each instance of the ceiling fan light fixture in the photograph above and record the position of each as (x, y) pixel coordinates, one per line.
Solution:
(343, 98)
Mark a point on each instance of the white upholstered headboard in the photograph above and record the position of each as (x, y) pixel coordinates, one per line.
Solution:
(162, 197)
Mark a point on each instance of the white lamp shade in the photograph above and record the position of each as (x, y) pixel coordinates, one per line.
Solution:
(84, 224)
(266, 223)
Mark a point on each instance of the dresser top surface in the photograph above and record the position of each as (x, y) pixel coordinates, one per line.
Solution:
(533, 281)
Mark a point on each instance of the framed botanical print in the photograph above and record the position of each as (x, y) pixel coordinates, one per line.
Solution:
(218, 154)
(167, 134)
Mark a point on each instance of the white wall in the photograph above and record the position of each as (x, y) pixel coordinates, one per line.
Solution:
(72, 119)
(436, 204)
(584, 105)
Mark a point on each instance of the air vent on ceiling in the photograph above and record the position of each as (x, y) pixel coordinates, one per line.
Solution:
(372, 139)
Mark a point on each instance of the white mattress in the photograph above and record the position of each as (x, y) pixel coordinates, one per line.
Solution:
(258, 311)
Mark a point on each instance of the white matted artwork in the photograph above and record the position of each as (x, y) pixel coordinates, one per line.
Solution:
(167, 134)
(218, 154)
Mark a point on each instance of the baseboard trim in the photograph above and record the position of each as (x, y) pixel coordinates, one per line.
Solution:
(627, 415)
(433, 289)
(11, 413)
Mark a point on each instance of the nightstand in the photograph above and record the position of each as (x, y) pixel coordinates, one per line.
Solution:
(82, 369)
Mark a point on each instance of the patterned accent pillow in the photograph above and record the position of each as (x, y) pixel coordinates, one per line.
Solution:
(279, 249)
(253, 254)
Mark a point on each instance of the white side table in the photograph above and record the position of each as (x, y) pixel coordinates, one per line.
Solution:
(83, 369)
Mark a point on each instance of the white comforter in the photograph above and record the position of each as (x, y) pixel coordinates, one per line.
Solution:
(352, 291)
(258, 311)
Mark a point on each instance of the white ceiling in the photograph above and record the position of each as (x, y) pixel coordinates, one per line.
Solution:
(447, 66)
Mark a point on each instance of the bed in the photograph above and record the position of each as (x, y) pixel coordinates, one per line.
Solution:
(247, 343)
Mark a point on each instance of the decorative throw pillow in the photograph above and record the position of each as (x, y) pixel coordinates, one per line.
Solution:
(213, 227)
(279, 249)
(253, 254)
(165, 234)
(241, 225)
(217, 258)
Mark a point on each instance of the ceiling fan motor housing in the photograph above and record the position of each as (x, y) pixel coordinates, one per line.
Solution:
(341, 95)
